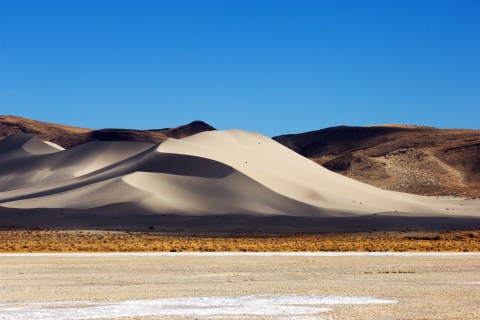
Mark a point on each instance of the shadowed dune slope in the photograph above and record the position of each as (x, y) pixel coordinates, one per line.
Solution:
(26, 161)
(24, 145)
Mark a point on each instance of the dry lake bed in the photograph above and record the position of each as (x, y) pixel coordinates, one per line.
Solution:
(303, 286)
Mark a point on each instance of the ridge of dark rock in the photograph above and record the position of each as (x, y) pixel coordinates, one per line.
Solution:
(414, 159)
(69, 136)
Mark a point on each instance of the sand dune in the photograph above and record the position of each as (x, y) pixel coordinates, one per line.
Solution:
(294, 176)
(413, 159)
(23, 145)
(27, 161)
(207, 174)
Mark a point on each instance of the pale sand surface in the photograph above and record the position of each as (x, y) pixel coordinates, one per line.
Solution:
(387, 285)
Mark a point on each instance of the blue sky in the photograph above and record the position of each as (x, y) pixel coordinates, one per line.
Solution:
(269, 66)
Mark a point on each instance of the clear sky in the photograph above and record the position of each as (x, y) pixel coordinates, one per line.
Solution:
(269, 66)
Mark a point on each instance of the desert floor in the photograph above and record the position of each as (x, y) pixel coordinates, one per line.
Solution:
(240, 286)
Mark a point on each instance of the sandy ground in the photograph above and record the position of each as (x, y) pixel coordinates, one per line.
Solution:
(403, 286)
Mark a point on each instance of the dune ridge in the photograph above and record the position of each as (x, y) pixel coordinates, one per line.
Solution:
(243, 175)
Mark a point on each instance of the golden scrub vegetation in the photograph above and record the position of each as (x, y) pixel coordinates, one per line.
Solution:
(114, 241)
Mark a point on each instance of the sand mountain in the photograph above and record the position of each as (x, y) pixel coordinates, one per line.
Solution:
(413, 159)
(68, 136)
(210, 181)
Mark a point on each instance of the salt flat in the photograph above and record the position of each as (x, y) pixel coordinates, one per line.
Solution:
(240, 286)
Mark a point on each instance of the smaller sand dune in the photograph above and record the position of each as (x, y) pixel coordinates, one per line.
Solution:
(22, 146)
(27, 161)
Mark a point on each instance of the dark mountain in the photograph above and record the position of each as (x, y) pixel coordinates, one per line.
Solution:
(414, 159)
(67, 136)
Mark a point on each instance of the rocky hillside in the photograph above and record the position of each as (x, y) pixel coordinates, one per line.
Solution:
(67, 136)
(413, 159)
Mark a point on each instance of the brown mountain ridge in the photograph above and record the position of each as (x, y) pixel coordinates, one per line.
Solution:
(412, 159)
(68, 136)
